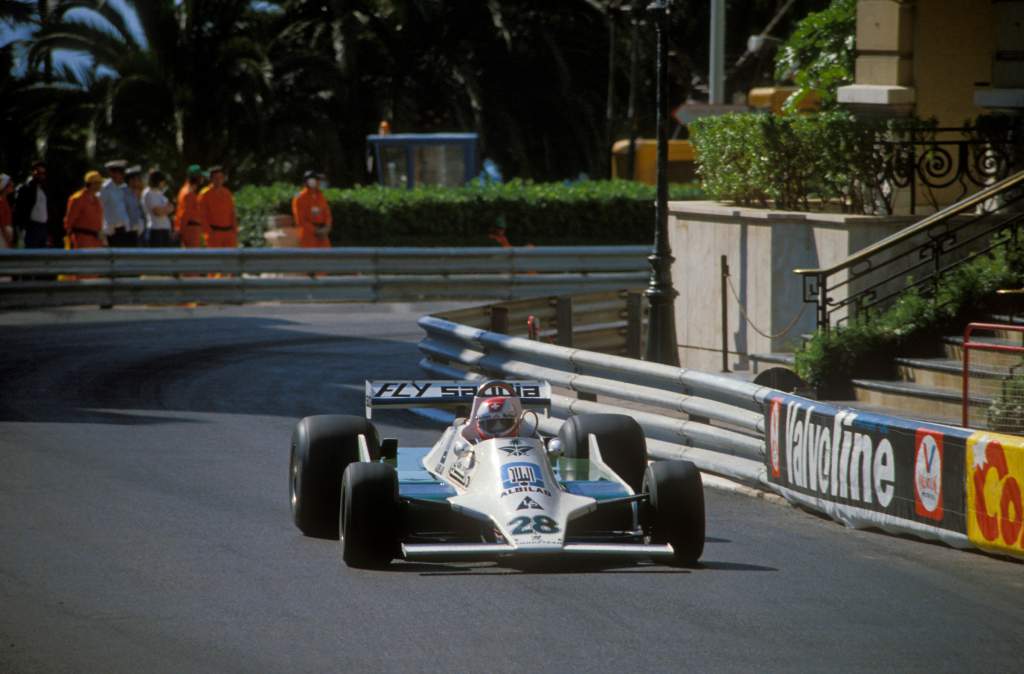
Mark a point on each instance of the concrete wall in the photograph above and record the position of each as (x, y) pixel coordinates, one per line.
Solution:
(954, 42)
(762, 247)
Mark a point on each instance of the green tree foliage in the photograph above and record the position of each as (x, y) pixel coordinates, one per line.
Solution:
(798, 161)
(188, 89)
(272, 87)
(819, 55)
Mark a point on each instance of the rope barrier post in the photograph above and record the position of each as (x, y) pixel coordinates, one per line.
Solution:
(725, 315)
(499, 319)
(563, 319)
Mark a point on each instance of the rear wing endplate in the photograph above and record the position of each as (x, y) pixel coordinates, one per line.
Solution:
(447, 394)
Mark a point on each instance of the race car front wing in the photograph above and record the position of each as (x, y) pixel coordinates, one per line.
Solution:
(422, 552)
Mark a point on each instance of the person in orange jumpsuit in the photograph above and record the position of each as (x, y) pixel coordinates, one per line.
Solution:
(311, 213)
(83, 220)
(188, 222)
(217, 209)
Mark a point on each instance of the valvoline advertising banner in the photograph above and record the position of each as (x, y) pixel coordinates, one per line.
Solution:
(995, 475)
(868, 469)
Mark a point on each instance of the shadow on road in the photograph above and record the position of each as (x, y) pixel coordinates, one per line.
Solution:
(149, 371)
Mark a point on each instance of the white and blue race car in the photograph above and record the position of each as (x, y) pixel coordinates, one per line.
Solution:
(476, 496)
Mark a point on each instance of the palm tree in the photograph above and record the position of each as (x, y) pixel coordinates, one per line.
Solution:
(186, 89)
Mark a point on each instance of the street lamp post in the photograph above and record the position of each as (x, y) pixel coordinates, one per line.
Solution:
(661, 326)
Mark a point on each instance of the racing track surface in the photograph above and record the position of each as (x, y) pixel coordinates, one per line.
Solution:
(144, 527)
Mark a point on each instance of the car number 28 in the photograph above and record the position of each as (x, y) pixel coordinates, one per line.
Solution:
(539, 524)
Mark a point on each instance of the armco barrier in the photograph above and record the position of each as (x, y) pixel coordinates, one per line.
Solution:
(994, 465)
(127, 276)
(943, 483)
(609, 322)
(868, 470)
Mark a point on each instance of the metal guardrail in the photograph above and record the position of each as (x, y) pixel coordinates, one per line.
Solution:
(862, 469)
(733, 404)
(609, 322)
(132, 276)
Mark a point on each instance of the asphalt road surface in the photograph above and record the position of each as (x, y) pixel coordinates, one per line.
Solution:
(144, 527)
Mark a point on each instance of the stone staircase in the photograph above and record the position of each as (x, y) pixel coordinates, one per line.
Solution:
(931, 388)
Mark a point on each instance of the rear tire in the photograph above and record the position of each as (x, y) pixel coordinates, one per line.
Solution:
(322, 446)
(676, 508)
(622, 442)
(369, 515)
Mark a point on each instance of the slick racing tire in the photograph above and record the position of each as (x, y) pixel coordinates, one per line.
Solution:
(676, 508)
(369, 515)
(620, 438)
(322, 446)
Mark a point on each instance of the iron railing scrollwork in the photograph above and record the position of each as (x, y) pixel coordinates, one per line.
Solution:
(917, 257)
(929, 159)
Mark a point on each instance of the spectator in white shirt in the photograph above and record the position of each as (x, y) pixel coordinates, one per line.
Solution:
(114, 197)
(158, 209)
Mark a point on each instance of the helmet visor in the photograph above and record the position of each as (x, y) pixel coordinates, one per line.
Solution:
(497, 425)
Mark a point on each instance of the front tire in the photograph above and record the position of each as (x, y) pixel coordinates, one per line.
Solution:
(676, 508)
(369, 515)
(322, 446)
(620, 438)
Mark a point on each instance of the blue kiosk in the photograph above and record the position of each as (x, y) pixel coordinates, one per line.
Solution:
(411, 159)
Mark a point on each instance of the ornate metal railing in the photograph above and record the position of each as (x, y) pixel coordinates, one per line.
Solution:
(918, 256)
(928, 159)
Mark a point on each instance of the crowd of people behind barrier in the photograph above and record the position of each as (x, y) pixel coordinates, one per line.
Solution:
(125, 210)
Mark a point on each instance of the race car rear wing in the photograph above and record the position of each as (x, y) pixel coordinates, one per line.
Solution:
(448, 394)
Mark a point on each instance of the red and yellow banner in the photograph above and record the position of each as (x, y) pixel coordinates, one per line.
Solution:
(995, 477)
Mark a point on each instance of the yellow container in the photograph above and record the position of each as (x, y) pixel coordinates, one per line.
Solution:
(681, 155)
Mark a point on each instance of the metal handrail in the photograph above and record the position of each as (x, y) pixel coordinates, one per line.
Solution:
(871, 278)
(927, 223)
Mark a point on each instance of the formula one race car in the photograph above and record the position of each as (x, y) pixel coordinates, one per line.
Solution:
(491, 487)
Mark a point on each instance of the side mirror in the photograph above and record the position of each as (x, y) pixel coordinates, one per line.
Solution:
(554, 447)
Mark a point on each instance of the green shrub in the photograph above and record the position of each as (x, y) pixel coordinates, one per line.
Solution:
(590, 212)
(866, 346)
(794, 161)
(1005, 413)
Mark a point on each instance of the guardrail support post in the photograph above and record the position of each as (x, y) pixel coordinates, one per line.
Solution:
(499, 319)
(563, 320)
(634, 324)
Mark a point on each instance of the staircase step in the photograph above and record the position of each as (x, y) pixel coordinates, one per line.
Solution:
(944, 373)
(930, 416)
(954, 348)
(1006, 318)
(913, 399)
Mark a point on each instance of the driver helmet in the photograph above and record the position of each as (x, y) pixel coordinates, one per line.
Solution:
(498, 417)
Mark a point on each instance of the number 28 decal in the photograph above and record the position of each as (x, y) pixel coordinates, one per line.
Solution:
(538, 524)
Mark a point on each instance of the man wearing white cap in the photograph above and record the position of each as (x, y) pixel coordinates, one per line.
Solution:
(114, 197)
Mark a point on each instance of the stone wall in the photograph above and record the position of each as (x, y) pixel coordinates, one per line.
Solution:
(762, 248)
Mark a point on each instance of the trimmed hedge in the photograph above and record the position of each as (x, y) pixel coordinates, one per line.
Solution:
(588, 212)
(792, 161)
